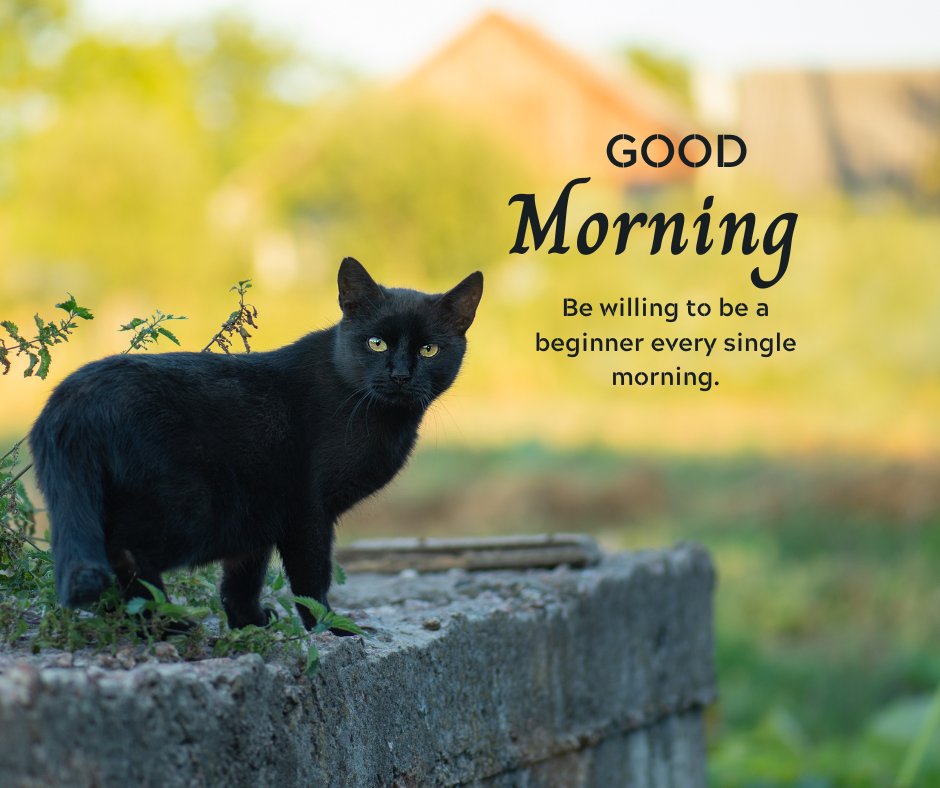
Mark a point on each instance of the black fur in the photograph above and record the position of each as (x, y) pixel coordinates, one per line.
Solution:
(151, 462)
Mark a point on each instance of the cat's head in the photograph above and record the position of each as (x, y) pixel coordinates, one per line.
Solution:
(402, 346)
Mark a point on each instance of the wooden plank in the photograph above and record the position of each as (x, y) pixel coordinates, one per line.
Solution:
(496, 552)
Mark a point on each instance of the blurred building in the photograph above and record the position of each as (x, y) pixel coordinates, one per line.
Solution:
(551, 106)
(859, 132)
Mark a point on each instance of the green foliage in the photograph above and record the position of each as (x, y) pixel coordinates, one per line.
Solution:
(917, 722)
(327, 619)
(237, 321)
(112, 148)
(31, 616)
(147, 331)
(30, 33)
(16, 509)
(285, 631)
(670, 73)
(339, 574)
(48, 334)
(435, 190)
(160, 606)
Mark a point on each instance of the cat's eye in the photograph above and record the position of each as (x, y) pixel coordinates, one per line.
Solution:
(378, 345)
(428, 350)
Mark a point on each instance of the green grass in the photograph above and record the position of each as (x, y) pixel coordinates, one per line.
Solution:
(827, 612)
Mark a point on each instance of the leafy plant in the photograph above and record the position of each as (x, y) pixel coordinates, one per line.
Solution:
(286, 631)
(48, 334)
(926, 732)
(243, 316)
(147, 331)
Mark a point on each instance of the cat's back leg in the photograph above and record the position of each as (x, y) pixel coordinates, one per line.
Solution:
(242, 580)
(130, 571)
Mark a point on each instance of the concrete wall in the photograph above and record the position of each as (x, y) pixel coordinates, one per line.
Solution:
(545, 678)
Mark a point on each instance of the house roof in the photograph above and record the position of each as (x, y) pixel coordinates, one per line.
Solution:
(620, 91)
(553, 105)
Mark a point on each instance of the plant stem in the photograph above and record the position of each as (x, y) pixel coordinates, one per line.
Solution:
(9, 483)
(13, 448)
(920, 745)
(22, 536)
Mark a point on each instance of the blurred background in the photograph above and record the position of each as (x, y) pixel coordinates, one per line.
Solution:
(152, 156)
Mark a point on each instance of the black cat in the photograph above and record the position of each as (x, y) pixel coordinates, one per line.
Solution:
(151, 462)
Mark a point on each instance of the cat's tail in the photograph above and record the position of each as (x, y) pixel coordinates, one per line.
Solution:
(69, 475)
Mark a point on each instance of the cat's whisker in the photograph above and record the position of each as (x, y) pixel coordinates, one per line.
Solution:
(426, 404)
(366, 393)
(441, 404)
(372, 398)
(355, 392)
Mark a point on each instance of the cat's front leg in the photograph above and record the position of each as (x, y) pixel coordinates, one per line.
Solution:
(307, 554)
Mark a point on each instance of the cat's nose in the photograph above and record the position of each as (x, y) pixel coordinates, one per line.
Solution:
(401, 378)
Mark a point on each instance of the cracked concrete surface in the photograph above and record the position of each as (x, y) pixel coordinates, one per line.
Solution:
(593, 677)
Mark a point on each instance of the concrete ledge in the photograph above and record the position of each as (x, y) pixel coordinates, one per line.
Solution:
(562, 677)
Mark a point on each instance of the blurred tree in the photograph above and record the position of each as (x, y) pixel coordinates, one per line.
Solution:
(33, 33)
(389, 180)
(33, 37)
(119, 145)
(235, 75)
(115, 188)
(669, 73)
(930, 179)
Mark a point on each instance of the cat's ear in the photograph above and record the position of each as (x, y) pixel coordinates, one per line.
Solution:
(459, 305)
(358, 292)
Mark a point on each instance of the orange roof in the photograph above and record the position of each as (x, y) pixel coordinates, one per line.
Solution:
(625, 91)
(474, 72)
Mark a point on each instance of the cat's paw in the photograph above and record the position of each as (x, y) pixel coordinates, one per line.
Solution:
(160, 628)
(177, 626)
(258, 617)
